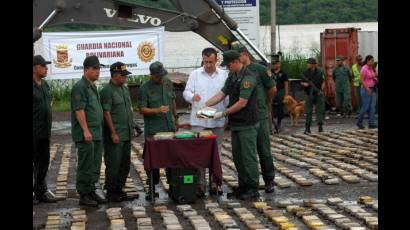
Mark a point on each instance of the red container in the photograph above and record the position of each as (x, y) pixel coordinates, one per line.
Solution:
(338, 42)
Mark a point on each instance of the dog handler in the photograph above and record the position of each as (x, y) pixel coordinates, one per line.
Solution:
(282, 85)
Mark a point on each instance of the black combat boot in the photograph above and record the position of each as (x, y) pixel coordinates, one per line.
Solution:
(113, 196)
(320, 128)
(236, 192)
(269, 186)
(99, 197)
(307, 130)
(278, 125)
(87, 200)
(46, 197)
(249, 194)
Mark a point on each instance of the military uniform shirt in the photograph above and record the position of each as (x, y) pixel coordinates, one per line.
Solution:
(249, 82)
(41, 110)
(84, 96)
(316, 76)
(152, 95)
(117, 101)
(341, 76)
(263, 84)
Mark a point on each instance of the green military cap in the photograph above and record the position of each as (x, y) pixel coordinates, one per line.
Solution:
(92, 61)
(339, 58)
(229, 56)
(311, 61)
(241, 48)
(119, 67)
(157, 69)
(39, 60)
(275, 58)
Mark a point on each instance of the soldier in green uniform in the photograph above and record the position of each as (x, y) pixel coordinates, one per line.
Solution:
(314, 94)
(265, 86)
(342, 76)
(243, 118)
(118, 130)
(41, 130)
(86, 130)
(156, 102)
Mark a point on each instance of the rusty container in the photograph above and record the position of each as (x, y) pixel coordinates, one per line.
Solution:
(338, 42)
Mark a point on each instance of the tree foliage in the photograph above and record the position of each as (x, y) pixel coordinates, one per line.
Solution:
(319, 11)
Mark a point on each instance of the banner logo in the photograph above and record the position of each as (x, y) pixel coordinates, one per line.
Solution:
(62, 57)
(146, 51)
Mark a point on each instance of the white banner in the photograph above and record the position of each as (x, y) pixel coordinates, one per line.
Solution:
(246, 14)
(136, 48)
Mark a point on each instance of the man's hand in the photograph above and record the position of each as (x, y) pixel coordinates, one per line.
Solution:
(305, 84)
(219, 115)
(163, 109)
(87, 136)
(269, 72)
(196, 97)
(115, 138)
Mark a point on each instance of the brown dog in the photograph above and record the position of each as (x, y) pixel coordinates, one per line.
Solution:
(296, 109)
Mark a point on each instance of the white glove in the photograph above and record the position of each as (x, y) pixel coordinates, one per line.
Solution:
(219, 115)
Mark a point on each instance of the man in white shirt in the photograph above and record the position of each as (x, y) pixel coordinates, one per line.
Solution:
(203, 83)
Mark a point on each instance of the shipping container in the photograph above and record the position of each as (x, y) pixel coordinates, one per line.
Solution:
(337, 42)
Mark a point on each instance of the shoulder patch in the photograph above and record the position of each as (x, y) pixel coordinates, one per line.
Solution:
(246, 84)
(77, 97)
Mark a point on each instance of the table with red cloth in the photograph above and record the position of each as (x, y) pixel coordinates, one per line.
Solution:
(183, 153)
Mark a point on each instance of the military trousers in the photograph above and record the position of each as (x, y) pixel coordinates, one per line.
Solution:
(244, 155)
(264, 151)
(344, 100)
(41, 160)
(279, 104)
(117, 164)
(319, 103)
(88, 165)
